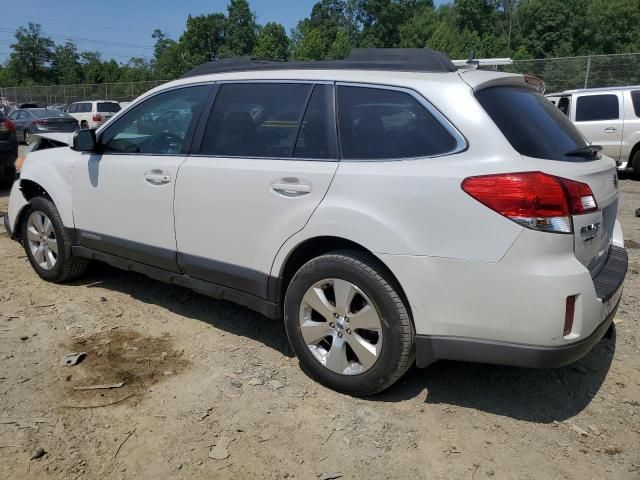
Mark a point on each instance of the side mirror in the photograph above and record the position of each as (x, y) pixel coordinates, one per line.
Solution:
(85, 141)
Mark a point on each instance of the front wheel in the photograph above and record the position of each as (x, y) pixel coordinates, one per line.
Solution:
(347, 323)
(47, 244)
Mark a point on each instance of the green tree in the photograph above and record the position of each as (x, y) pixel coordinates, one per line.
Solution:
(382, 19)
(341, 46)
(309, 45)
(612, 26)
(241, 30)
(417, 32)
(549, 27)
(272, 43)
(202, 39)
(32, 52)
(65, 64)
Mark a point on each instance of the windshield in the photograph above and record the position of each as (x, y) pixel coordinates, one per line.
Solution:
(108, 107)
(48, 113)
(532, 124)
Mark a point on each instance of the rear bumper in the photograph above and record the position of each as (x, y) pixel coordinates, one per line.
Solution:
(608, 286)
(429, 349)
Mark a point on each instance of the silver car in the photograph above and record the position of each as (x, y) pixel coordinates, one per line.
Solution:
(31, 121)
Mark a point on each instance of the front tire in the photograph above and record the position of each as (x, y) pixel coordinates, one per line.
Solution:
(47, 243)
(28, 137)
(348, 324)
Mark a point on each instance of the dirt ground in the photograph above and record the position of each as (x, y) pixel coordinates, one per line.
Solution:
(204, 378)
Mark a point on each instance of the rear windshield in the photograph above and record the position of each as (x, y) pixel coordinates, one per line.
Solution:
(531, 123)
(108, 107)
(48, 113)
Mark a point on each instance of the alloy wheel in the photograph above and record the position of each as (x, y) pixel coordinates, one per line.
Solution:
(42, 241)
(341, 326)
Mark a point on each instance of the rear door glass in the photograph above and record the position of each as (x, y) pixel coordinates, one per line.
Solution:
(532, 124)
(255, 120)
(592, 108)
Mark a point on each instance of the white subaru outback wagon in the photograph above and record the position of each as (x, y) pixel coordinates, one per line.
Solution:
(391, 208)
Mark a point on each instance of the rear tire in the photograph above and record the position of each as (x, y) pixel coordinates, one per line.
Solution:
(84, 124)
(635, 165)
(370, 334)
(28, 137)
(47, 243)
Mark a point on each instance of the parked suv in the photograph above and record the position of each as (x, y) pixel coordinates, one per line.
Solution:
(609, 117)
(93, 114)
(391, 209)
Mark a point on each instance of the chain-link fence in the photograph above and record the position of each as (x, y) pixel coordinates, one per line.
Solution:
(67, 94)
(591, 71)
(558, 74)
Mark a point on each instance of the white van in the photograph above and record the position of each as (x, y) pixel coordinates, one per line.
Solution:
(609, 117)
(93, 114)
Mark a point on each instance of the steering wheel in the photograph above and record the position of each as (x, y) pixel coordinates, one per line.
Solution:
(163, 142)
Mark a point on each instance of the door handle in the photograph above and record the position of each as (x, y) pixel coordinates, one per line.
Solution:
(610, 130)
(157, 177)
(291, 187)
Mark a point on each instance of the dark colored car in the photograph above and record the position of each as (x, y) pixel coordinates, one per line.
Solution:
(41, 120)
(8, 150)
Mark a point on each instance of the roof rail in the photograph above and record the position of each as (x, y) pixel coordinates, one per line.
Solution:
(391, 59)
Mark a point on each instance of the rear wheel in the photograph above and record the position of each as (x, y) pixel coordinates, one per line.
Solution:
(47, 244)
(84, 124)
(28, 137)
(347, 323)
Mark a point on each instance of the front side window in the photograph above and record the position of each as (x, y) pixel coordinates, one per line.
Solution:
(635, 97)
(255, 119)
(563, 105)
(158, 125)
(379, 123)
(597, 107)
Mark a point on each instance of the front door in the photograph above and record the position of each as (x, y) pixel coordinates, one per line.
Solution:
(267, 157)
(598, 117)
(123, 196)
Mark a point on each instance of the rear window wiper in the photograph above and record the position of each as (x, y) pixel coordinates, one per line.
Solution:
(588, 151)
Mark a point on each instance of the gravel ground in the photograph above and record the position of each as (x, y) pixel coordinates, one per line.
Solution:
(212, 390)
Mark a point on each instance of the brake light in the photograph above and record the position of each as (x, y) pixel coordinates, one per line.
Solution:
(40, 122)
(535, 200)
(97, 118)
(7, 126)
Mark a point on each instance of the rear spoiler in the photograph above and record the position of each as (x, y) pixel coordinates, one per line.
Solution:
(479, 79)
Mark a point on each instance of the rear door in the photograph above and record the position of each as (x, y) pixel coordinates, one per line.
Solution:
(550, 143)
(599, 117)
(266, 159)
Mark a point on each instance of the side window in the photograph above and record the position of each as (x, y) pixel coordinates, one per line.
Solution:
(377, 123)
(563, 105)
(14, 115)
(255, 119)
(591, 108)
(86, 107)
(158, 125)
(635, 97)
(317, 132)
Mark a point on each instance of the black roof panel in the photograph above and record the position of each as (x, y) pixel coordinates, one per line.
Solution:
(392, 59)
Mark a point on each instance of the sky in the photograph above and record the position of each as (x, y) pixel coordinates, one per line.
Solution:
(121, 29)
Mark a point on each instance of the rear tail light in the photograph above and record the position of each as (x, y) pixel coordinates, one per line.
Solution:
(97, 118)
(569, 314)
(535, 200)
(7, 126)
(40, 122)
